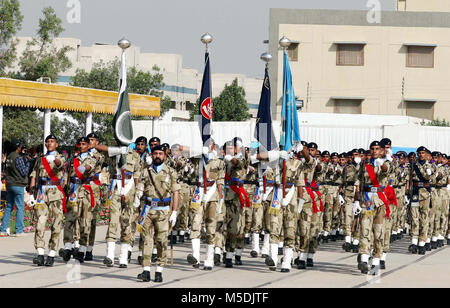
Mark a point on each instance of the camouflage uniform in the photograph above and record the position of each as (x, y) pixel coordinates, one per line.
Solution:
(250, 188)
(402, 175)
(49, 203)
(351, 181)
(98, 201)
(388, 222)
(438, 196)
(331, 200)
(183, 168)
(335, 218)
(156, 224)
(317, 218)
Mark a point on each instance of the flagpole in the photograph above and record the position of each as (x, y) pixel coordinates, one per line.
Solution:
(265, 57)
(284, 43)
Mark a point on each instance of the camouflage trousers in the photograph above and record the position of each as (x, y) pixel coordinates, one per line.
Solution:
(220, 234)
(85, 213)
(43, 212)
(399, 217)
(199, 213)
(306, 232)
(419, 219)
(258, 212)
(388, 224)
(235, 224)
(331, 199)
(71, 223)
(122, 214)
(98, 204)
(133, 226)
(372, 224)
(444, 216)
(283, 226)
(155, 231)
(435, 213)
(183, 209)
(348, 214)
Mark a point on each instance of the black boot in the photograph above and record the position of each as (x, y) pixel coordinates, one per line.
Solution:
(88, 256)
(129, 256)
(363, 267)
(355, 248)
(224, 258)
(333, 238)
(434, 245)
(392, 238)
(382, 264)
(448, 241)
(237, 260)
(65, 254)
(285, 270)
(193, 261)
(216, 259)
(347, 247)
(49, 261)
(253, 254)
(440, 243)
(74, 253)
(246, 241)
(428, 246)
(158, 277)
(228, 263)
(108, 262)
(422, 250)
(413, 248)
(154, 256)
(139, 260)
(325, 238)
(80, 257)
(301, 264)
(39, 260)
(173, 239)
(269, 262)
(181, 238)
(358, 258)
(309, 262)
(144, 276)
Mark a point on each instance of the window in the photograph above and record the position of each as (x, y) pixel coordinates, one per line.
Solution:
(420, 56)
(422, 110)
(351, 106)
(350, 54)
(292, 52)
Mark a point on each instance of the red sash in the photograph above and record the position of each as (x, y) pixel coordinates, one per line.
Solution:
(374, 180)
(313, 196)
(390, 195)
(52, 175)
(76, 164)
(240, 191)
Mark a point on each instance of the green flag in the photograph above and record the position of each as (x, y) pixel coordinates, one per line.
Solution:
(123, 130)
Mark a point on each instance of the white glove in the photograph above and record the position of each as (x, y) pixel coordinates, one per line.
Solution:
(205, 151)
(389, 157)
(254, 159)
(123, 150)
(284, 155)
(137, 201)
(357, 160)
(448, 187)
(173, 218)
(186, 169)
(356, 208)
(148, 160)
(298, 148)
(31, 201)
(389, 152)
(379, 162)
(81, 169)
(50, 158)
(219, 206)
(406, 200)
(429, 171)
(341, 200)
(228, 157)
(273, 155)
(300, 202)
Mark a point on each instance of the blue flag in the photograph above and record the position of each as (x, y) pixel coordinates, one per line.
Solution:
(263, 130)
(290, 132)
(206, 104)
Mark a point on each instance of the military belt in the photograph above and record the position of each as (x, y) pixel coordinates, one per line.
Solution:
(399, 186)
(331, 183)
(420, 184)
(438, 186)
(208, 184)
(48, 181)
(119, 177)
(78, 181)
(351, 183)
(154, 202)
(373, 189)
(251, 182)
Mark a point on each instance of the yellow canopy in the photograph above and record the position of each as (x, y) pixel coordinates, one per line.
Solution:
(19, 93)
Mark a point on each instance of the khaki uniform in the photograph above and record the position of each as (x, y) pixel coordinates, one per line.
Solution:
(82, 202)
(317, 218)
(336, 222)
(331, 198)
(351, 181)
(438, 196)
(183, 168)
(420, 204)
(49, 203)
(373, 213)
(123, 212)
(206, 212)
(100, 158)
(402, 175)
(250, 188)
(156, 225)
(235, 219)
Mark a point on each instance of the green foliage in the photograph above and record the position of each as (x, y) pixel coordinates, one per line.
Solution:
(230, 105)
(40, 58)
(10, 24)
(436, 122)
(23, 124)
(105, 76)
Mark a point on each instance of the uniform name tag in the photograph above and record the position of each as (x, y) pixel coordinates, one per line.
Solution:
(373, 189)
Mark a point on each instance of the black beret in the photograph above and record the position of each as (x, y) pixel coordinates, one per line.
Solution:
(312, 145)
(386, 141)
(343, 155)
(93, 135)
(444, 155)
(401, 154)
(165, 145)
(428, 151)
(83, 139)
(325, 153)
(435, 153)
(361, 151)
(51, 136)
(158, 148)
(334, 154)
(375, 143)
(421, 148)
(304, 143)
(367, 152)
(141, 139)
(412, 154)
(155, 139)
(383, 144)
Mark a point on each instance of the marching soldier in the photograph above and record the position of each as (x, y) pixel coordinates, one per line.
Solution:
(331, 187)
(46, 180)
(440, 183)
(401, 191)
(125, 173)
(96, 186)
(160, 189)
(208, 199)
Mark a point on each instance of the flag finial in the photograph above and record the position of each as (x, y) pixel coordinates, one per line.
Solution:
(124, 43)
(206, 39)
(284, 42)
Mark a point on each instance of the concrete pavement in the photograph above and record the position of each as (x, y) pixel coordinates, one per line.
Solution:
(333, 268)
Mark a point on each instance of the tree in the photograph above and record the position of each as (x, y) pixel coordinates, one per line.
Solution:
(23, 124)
(105, 76)
(230, 105)
(436, 122)
(41, 58)
(10, 24)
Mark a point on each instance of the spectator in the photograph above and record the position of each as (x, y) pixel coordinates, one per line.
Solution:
(16, 171)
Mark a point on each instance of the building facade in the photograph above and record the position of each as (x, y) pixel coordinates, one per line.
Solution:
(346, 62)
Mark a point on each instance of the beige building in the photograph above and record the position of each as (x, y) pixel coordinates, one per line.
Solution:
(423, 5)
(346, 62)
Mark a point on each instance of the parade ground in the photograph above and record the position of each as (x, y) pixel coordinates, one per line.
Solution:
(333, 267)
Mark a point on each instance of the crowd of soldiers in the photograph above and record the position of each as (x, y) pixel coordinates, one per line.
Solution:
(279, 203)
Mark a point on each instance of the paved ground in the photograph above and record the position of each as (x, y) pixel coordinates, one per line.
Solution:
(333, 268)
